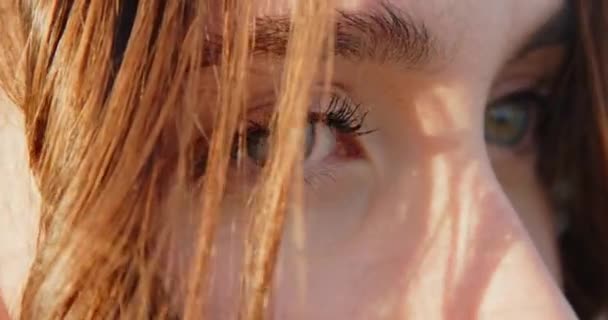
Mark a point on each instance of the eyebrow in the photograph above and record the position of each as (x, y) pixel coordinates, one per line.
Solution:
(557, 30)
(385, 35)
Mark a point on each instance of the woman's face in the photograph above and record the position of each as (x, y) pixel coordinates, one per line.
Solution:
(421, 195)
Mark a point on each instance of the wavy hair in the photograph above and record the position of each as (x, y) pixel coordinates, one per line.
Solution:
(111, 95)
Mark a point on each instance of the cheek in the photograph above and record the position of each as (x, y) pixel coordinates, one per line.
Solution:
(225, 262)
(228, 260)
(414, 238)
(336, 204)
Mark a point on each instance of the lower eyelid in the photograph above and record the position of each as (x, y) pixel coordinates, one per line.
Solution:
(330, 172)
(321, 174)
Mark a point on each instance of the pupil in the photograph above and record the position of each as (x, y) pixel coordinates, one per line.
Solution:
(502, 117)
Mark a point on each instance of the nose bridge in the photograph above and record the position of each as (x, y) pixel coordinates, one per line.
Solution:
(476, 259)
(493, 270)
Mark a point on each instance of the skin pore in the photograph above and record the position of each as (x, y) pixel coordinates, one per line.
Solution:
(412, 209)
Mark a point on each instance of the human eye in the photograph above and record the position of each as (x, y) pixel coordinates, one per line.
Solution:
(332, 137)
(510, 120)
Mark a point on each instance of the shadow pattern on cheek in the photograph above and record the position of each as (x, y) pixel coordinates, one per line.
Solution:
(444, 210)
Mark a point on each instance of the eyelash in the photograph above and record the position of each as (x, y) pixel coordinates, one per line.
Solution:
(341, 114)
(344, 116)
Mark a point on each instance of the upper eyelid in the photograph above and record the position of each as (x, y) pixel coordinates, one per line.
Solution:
(504, 90)
(538, 68)
(540, 81)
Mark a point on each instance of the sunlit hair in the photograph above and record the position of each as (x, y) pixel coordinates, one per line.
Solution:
(112, 96)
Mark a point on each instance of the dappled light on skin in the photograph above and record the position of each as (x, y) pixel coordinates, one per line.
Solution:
(423, 271)
(468, 272)
(467, 227)
(443, 110)
(406, 221)
(464, 220)
(402, 210)
(441, 174)
(421, 293)
(298, 248)
(450, 236)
